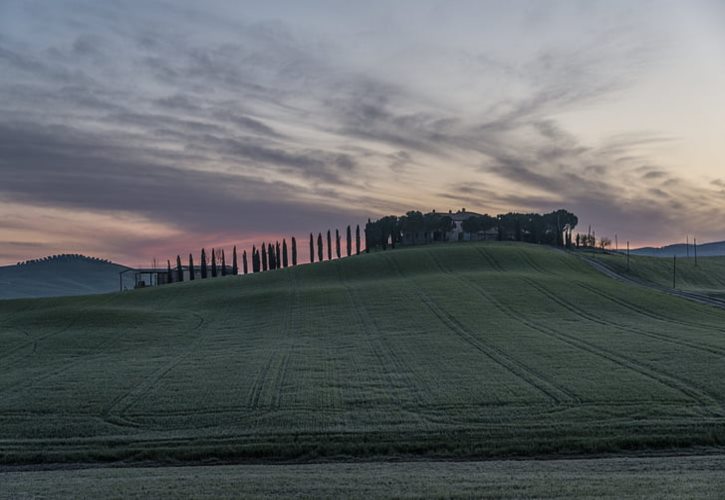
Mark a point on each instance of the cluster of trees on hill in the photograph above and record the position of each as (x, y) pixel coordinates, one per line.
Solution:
(268, 257)
(553, 228)
(65, 257)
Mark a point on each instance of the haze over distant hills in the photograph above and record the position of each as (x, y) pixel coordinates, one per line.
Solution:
(713, 249)
(57, 276)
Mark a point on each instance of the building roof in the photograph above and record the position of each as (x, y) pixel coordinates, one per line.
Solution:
(462, 215)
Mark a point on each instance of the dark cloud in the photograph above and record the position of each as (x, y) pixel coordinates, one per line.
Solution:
(55, 166)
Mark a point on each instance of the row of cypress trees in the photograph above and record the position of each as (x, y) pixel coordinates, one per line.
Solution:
(338, 252)
(268, 257)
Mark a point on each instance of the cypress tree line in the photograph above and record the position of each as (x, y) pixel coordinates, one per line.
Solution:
(278, 256)
(271, 258)
(349, 241)
(179, 269)
(319, 247)
(169, 274)
(264, 257)
(244, 262)
(224, 264)
(337, 243)
(357, 240)
(203, 264)
(312, 249)
(235, 267)
(294, 251)
(213, 263)
(329, 246)
(285, 261)
(191, 267)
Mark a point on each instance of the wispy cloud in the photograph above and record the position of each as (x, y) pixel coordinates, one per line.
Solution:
(223, 122)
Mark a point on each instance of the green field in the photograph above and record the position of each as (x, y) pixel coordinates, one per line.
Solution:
(460, 350)
(707, 276)
(661, 477)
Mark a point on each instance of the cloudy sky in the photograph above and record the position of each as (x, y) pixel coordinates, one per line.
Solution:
(131, 130)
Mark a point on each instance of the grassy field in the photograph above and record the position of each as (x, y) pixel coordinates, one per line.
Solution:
(663, 477)
(460, 350)
(708, 276)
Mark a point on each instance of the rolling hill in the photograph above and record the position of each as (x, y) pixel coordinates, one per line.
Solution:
(706, 277)
(714, 249)
(459, 350)
(59, 276)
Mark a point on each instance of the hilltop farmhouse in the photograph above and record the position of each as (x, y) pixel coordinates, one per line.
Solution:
(458, 234)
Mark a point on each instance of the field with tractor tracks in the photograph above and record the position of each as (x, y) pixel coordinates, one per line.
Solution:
(481, 350)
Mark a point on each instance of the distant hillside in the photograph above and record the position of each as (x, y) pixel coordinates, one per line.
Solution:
(59, 275)
(714, 249)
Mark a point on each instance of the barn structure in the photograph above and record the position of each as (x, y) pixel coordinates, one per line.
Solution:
(152, 276)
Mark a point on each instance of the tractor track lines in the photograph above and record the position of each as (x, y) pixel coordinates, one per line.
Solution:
(378, 345)
(518, 369)
(123, 402)
(261, 381)
(665, 379)
(578, 311)
(641, 310)
(691, 296)
(50, 334)
(486, 255)
(14, 388)
(683, 387)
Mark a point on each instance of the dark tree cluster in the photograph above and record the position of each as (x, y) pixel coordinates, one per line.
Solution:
(66, 257)
(553, 228)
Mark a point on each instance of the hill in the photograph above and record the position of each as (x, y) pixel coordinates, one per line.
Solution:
(707, 276)
(458, 350)
(715, 249)
(58, 276)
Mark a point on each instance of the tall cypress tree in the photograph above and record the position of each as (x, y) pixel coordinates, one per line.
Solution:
(278, 256)
(191, 267)
(179, 269)
(294, 251)
(224, 264)
(255, 259)
(357, 240)
(203, 264)
(213, 263)
(337, 243)
(367, 238)
(349, 241)
(319, 247)
(271, 257)
(285, 260)
(329, 245)
(244, 262)
(312, 249)
(264, 257)
(235, 267)
(169, 274)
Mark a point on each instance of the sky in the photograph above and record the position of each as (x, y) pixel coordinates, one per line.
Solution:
(134, 130)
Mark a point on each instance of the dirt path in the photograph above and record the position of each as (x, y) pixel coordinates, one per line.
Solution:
(693, 296)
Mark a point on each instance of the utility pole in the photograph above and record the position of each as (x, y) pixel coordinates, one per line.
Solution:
(695, 248)
(628, 256)
(687, 246)
(674, 271)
